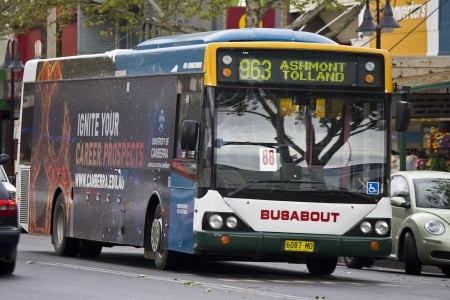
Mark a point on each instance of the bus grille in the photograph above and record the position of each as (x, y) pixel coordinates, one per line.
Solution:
(23, 188)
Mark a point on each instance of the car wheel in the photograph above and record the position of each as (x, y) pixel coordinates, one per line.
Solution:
(412, 263)
(321, 266)
(163, 258)
(64, 246)
(358, 262)
(7, 267)
(445, 270)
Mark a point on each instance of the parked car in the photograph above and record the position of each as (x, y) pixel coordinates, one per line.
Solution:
(420, 202)
(4, 180)
(9, 227)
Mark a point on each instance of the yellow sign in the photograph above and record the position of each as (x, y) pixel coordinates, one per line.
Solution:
(242, 23)
(412, 37)
(320, 108)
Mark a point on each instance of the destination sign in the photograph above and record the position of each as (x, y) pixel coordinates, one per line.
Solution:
(292, 67)
(275, 69)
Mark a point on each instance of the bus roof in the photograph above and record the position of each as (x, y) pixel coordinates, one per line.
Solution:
(235, 35)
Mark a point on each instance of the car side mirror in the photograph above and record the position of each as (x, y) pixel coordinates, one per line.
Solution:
(400, 201)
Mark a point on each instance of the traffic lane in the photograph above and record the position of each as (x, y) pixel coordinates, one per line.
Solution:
(122, 268)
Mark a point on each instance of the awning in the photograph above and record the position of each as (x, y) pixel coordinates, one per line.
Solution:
(426, 82)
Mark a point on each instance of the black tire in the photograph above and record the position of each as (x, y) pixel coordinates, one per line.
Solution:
(64, 246)
(7, 267)
(413, 265)
(90, 248)
(163, 258)
(321, 266)
(358, 262)
(445, 270)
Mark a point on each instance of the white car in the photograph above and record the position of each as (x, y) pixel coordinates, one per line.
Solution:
(6, 183)
(420, 202)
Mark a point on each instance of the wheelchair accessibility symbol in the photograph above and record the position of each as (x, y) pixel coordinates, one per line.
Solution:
(373, 188)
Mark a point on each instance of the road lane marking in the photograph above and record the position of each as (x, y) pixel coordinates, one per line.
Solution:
(178, 281)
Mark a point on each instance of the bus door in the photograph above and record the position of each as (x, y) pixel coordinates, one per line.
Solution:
(183, 179)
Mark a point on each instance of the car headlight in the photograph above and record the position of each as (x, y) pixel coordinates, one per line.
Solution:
(434, 227)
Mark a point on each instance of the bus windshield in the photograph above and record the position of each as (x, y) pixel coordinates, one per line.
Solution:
(268, 139)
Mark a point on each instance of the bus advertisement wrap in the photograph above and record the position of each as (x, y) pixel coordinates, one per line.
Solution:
(101, 145)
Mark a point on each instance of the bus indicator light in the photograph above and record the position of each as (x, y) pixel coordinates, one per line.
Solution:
(226, 59)
(225, 240)
(226, 72)
(370, 66)
(374, 245)
(369, 78)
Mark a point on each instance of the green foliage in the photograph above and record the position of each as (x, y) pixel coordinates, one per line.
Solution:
(170, 16)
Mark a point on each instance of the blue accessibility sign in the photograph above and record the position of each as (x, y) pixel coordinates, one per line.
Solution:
(373, 188)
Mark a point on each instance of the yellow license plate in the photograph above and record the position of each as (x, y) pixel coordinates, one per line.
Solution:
(301, 246)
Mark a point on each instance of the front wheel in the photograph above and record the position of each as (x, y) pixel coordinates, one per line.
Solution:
(445, 270)
(90, 248)
(321, 265)
(412, 263)
(64, 246)
(358, 262)
(163, 258)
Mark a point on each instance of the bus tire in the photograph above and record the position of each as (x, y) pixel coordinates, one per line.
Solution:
(413, 265)
(64, 246)
(90, 248)
(445, 270)
(162, 257)
(321, 265)
(353, 262)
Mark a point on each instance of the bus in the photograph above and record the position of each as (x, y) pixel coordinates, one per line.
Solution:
(240, 144)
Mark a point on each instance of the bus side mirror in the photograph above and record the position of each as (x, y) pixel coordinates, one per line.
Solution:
(4, 158)
(189, 135)
(402, 116)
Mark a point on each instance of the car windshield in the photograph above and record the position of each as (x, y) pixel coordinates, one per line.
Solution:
(291, 140)
(432, 193)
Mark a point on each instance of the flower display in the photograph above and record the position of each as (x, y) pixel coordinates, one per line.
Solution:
(438, 144)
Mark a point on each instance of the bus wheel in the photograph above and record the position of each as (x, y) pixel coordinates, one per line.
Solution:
(445, 270)
(163, 258)
(90, 249)
(358, 262)
(64, 246)
(321, 265)
(412, 263)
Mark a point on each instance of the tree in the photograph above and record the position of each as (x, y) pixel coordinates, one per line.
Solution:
(19, 16)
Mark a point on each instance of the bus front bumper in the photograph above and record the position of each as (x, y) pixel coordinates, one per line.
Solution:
(273, 246)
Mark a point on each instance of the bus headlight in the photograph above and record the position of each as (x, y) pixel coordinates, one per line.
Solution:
(231, 222)
(215, 221)
(381, 227)
(434, 227)
(365, 227)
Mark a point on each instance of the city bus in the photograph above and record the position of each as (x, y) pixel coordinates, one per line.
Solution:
(241, 144)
